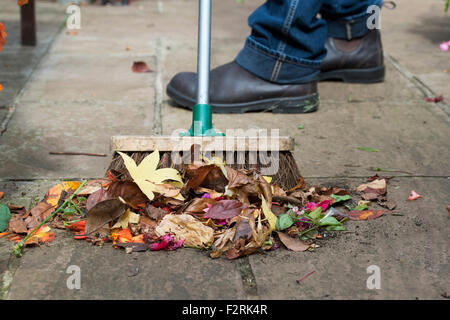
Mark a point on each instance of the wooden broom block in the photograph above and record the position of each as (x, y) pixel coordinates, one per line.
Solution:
(222, 143)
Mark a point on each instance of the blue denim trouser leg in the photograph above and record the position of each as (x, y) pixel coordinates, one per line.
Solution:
(286, 44)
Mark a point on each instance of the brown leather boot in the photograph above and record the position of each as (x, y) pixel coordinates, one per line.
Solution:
(235, 90)
(356, 61)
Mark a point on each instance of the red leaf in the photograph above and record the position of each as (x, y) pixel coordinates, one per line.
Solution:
(226, 209)
(140, 67)
(435, 99)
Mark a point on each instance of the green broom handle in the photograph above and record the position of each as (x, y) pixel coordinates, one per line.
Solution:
(201, 113)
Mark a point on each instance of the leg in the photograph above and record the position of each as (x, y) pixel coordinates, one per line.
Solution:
(275, 71)
(354, 51)
(286, 43)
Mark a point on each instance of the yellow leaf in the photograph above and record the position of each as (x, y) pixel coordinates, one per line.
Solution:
(127, 217)
(161, 175)
(268, 179)
(271, 218)
(54, 193)
(147, 177)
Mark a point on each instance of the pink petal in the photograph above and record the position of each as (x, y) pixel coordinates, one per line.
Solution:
(167, 243)
(414, 195)
(324, 204)
(311, 206)
(444, 46)
(206, 209)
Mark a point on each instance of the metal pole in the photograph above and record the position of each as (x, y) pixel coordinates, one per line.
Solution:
(204, 48)
(28, 24)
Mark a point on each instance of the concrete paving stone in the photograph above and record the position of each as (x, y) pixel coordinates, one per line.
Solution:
(412, 34)
(108, 273)
(327, 146)
(66, 77)
(59, 126)
(410, 250)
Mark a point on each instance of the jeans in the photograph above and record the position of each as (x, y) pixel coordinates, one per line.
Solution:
(287, 41)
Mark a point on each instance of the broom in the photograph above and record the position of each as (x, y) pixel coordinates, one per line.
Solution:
(270, 155)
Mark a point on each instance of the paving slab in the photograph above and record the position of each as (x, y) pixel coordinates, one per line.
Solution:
(83, 91)
(411, 252)
(108, 273)
(412, 34)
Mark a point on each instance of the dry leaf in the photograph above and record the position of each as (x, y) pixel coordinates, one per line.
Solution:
(92, 186)
(38, 214)
(17, 225)
(147, 177)
(225, 209)
(140, 67)
(365, 215)
(186, 227)
(41, 235)
(154, 212)
(236, 178)
(271, 218)
(22, 2)
(208, 176)
(54, 193)
(377, 185)
(293, 244)
(301, 184)
(213, 194)
(102, 213)
(125, 219)
(197, 205)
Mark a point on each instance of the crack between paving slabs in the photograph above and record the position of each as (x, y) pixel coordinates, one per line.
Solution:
(248, 278)
(419, 84)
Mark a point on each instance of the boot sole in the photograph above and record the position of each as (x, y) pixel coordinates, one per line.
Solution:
(303, 104)
(370, 75)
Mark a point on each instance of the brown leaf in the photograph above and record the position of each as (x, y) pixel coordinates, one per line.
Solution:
(365, 215)
(293, 244)
(389, 204)
(1, 194)
(127, 190)
(278, 192)
(154, 212)
(102, 213)
(375, 186)
(243, 225)
(91, 186)
(301, 184)
(209, 176)
(198, 204)
(95, 198)
(38, 214)
(212, 193)
(236, 178)
(17, 225)
(20, 210)
(370, 196)
(225, 209)
(140, 67)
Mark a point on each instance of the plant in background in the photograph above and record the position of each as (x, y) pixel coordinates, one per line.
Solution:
(447, 5)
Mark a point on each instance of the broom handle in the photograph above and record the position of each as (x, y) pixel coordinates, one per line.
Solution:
(203, 54)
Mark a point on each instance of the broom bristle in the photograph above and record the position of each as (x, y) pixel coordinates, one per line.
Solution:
(286, 176)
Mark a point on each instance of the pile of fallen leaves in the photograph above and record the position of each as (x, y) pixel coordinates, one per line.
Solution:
(211, 206)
